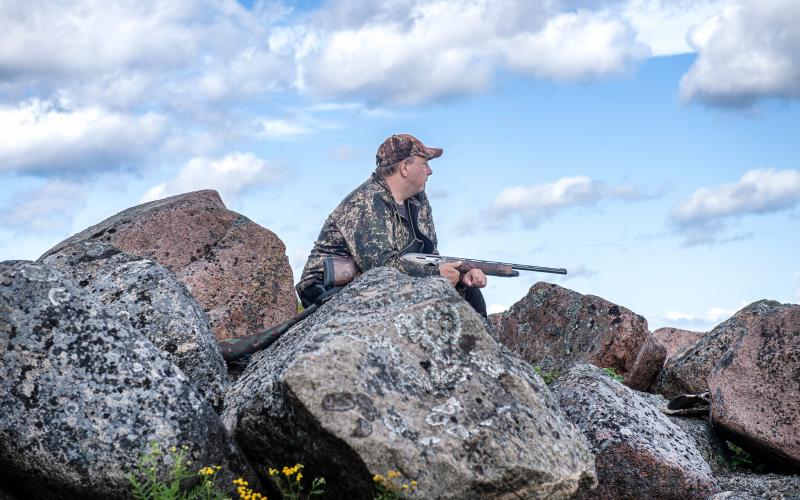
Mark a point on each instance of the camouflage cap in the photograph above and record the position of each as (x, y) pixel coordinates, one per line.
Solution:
(401, 146)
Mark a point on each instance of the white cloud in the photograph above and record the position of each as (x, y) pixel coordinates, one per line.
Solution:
(141, 52)
(663, 25)
(534, 203)
(47, 208)
(410, 52)
(496, 308)
(703, 215)
(749, 51)
(575, 46)
(38, 136)
(282, 128)
(707, 320)
(230, 176)
(579, 271)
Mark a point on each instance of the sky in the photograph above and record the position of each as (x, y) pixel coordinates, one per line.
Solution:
(651, 147)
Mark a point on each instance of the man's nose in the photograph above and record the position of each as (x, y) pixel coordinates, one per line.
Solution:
(430, 172)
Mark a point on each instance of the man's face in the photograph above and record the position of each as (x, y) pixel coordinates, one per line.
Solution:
(418, 172)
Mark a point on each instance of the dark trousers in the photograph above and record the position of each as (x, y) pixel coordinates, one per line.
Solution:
(475, 299)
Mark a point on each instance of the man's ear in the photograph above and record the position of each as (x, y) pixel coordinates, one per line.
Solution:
(403, 163)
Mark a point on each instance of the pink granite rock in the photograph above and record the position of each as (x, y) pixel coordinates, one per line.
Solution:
(237, 270)
(647, 365)
(553, 326)
(676, 340)
(755, 385)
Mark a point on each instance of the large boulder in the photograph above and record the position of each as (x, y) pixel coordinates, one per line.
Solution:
(84, 395)
(639, 452)
(647, 365)
(153, 302)
(687, 372)
(712, 449)
(761, 486)
(675, 340)
(552, 327)
(755, 385)
(399, 373)
(237, 270)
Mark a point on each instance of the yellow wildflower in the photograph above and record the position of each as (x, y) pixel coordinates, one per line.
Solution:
(393, 474)
(413, 484)
(272, 471)
(299, 476)
(208, 471)
(378, 478)
(405, 486)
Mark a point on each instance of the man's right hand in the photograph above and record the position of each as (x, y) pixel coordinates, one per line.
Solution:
(449, 271)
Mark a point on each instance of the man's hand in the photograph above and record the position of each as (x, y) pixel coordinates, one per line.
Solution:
(474, 278)
(449, 271)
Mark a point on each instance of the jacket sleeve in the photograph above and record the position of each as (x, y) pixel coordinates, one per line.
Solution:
(369, 231)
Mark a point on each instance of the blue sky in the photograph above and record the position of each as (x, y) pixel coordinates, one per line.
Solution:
(649, 146)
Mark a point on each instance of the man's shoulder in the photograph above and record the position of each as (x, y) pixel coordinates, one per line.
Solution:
(368, 194)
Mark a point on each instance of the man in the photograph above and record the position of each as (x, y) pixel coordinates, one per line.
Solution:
(385, 217)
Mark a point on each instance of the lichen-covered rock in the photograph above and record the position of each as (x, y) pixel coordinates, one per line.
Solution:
(237, 270)
(647, 365)
(676, 340)
(755, 385)
(700, 430)
(552, 327)
(688, 371)
(399, 373)
(639, 452)
(761, 486)
(83, 395)
(154, 303)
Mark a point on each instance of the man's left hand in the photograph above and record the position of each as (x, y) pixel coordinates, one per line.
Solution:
(474, 278)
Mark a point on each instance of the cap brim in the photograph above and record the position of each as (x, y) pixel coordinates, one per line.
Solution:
(431, 153)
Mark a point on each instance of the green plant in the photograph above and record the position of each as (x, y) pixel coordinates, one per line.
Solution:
(547, 377)
(742, 460)
(389, 489)
(288, 482)
(613, 374)
(180, 482)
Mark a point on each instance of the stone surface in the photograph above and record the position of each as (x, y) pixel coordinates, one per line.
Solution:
(552, 327)
(148, 297)
(647, 365)
(687, 371)
(237, 270)
(639, 452)
(676, 340)
(83, 395)
(763, 486)
(700, 430)
(399, 373)
(755, 384)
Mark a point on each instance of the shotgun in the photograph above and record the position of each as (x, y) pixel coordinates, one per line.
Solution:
(339, 271)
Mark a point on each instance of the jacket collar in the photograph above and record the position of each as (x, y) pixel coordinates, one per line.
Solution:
(380, 181)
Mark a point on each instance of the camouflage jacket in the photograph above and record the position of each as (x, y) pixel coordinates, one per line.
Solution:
(367, 227)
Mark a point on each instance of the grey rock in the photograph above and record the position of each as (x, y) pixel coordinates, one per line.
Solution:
(734, 495)
(700, 430)
(639, 452)
(399, 373)
(766, 486)
(149, 298)
(83, 395)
